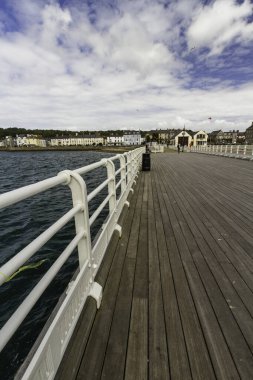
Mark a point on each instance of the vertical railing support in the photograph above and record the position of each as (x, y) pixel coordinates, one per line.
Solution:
(132, 166)
(129, 168)
(123, 173)
(245, 150)
(111, 185)
(79, 197)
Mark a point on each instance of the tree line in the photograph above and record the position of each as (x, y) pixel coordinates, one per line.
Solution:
(54, 133)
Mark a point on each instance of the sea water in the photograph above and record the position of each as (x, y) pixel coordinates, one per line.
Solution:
(21, 223)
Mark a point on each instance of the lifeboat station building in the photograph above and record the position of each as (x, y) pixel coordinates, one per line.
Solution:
(189, 138)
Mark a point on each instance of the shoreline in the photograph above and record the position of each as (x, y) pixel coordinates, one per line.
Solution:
(107, 149)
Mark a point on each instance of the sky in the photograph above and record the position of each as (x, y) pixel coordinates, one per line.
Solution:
(126, 64)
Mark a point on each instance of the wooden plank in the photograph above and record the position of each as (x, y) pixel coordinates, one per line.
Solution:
(137, 352)
(242, 262)
(93, 359)
(103, 271)
(196, 347)
(221, 358)
(178, 299)
(73, 355)
(158, 353)
(178, 357)
(117, 344)
(235, 339)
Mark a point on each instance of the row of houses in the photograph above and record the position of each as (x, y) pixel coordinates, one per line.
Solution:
(173, 137)
(218, 137)
(127, 139)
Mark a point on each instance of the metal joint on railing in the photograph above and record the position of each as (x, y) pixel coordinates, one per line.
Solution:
(66, 174)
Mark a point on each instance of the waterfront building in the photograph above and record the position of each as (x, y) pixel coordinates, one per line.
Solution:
(249, 135)
(9, 142)
(223, 138)
(165, 136)
(199, 138)
(132, 138)
(30, 141)
(183, 138)
(240, 139)
(115, 140)
(189, 138)
(85, 140)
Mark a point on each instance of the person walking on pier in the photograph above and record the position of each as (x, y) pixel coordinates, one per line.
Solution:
(178, 148)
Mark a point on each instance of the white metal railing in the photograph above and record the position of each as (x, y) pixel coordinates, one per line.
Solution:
(47, 358)
(157, 148)
(236, 151)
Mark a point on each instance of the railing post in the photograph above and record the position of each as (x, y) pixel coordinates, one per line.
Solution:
(79, 197)
(135, 163)
(245, 150)
(111, 185)
(123, 173)
(132, 165)
(226, 148)
(237, 150)
(129, 168)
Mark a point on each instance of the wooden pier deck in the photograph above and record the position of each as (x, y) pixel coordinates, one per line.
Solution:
(178, 286)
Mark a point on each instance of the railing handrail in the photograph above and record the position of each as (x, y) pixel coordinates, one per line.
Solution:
(231, 150)
(89, 257)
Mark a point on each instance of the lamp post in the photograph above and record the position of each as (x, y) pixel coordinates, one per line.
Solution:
(183, 134)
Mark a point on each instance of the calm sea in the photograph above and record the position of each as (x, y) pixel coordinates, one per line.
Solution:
(21, 223)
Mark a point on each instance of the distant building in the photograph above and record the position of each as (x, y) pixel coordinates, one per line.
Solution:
(30, 141)
(220, 137)
(164, 136)
(183, 138)
(249, 135)
(199, 138)
(189, 138)
(85, 140)
(240, 139)
(215, 137)
(132, 138)
(230, 137)
(115, 140)
(9, 142)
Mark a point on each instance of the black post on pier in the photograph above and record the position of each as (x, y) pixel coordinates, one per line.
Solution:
(146, 165)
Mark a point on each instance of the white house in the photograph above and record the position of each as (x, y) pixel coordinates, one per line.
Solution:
(115, 140)
(77, 141)
(132, 138)
(183, 139)
(30, 140)
(200, 138)
(190, 138)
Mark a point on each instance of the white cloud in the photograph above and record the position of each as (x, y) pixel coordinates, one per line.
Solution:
(217, 25)
(126, 70)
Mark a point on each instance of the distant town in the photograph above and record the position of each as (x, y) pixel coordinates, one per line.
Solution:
(20, 138)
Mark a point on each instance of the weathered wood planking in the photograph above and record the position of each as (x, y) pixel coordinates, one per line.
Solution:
(178, 286)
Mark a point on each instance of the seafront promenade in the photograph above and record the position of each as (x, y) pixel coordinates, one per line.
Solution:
(177, 287)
